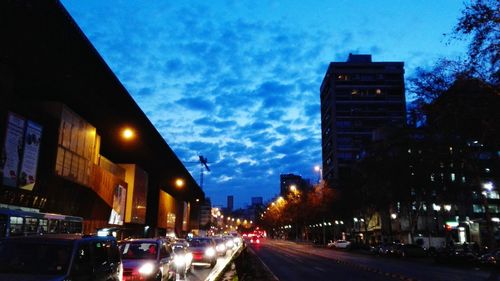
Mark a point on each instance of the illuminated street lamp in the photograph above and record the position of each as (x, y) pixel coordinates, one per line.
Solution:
(293, 188)
(128, 134)
(318, 169)
(179, 183)
(488, 186)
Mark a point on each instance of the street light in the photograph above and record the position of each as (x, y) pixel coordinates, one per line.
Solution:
(128, 134)
(488, 186)
(179, 183)
(293, 187)
(318, 169)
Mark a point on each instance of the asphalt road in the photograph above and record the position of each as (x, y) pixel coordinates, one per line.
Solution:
(205, 273)
(290, 261)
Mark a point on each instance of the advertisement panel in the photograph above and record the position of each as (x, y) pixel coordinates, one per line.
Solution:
(118, 210)
(13, 146)
(29, 162)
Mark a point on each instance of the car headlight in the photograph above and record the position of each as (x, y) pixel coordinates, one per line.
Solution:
(179, 260)
(220, 248)
(146, 269)
(229, 244)
(210, 252)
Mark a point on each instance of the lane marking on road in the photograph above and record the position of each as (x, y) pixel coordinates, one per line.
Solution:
(319, 268)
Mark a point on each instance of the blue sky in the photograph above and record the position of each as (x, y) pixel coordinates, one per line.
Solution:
(238, 81)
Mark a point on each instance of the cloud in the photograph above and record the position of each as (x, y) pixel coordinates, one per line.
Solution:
(239, 87)
(198, 103)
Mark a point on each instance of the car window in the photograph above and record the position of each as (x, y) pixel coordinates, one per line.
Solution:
(200, 243)
(82, 264)
(100, 253)
(139, 250)
(164, 251)
(34, 258)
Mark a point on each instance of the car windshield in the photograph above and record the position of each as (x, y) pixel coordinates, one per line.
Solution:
(43, 258)
(178, 250)
(139, 250)
(200, 243)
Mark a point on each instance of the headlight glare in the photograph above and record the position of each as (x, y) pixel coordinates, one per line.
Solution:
(180, 260)
(210, 252)
(146, 269)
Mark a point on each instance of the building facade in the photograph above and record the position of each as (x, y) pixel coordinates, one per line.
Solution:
(357, 96)
(74, 142)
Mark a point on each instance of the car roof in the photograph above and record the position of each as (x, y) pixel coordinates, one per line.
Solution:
(60, 237)
(144, 240)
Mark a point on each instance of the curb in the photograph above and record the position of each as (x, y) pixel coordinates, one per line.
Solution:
(217, 276)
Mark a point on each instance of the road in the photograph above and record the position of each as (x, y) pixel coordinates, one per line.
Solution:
(290, 261)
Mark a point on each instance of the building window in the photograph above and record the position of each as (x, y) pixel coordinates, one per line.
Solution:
(78, 147)
(378, 91)
(354, 92)
(452, 176)
(493, 208)
(477, 208)
(493, 194)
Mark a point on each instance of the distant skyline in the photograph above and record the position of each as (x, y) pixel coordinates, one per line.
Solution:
(238, 81)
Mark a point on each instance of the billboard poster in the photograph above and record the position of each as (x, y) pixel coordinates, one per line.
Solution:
(12, 149)
(29, 160)
(118, 211)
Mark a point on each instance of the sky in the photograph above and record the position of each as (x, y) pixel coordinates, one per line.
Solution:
(237, 81)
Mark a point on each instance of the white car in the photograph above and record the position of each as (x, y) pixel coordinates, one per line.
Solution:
(341, 244)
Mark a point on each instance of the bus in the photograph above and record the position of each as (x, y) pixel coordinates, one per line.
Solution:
(16, 222)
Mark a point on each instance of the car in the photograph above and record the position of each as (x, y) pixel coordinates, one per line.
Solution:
(387, 249)
(60, 257)
(409, 250)
(231, 242)
(147, 259)
(255, 240)
(341, 244)
(220, 247)
(203, 249)
(183, 259)
(457, 255)
(181, 241)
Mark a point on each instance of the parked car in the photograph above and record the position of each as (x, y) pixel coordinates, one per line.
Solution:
(410, 250)
(60, 257)
(340, 244)
(147, 259)
(203, 249)
(388, 249)
(183, 259)
(456, 255)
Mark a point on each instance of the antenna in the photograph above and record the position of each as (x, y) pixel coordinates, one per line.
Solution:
(203, 163)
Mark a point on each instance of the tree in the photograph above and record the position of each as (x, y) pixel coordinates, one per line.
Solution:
(481, 20)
